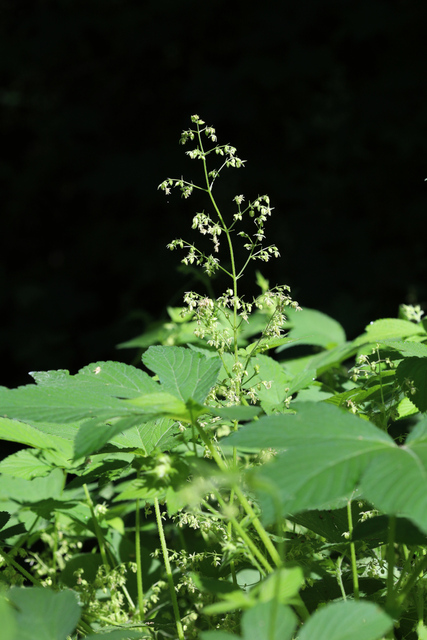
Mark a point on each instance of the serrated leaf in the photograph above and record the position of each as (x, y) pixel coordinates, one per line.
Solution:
(160, 403)
(386, 328)
(413, 371)
(406, 408)
(92, 436)
(58, 404)
(183, 372)
(155, 434)
(4, 518)
(407, 348)
(115, 379)
(96, 391)
(348, 620)
(15, 431)
(310, 476)
(25, 464)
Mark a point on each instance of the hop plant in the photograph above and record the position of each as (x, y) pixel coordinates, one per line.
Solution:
(219, 320)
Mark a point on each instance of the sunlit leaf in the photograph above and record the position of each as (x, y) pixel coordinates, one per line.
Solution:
(348, 620)
(183, 372)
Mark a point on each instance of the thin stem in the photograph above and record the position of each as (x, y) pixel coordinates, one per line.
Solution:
(168, 569)
(338, 573)
(243, 501)
(391, 559)
(256, 553)
(258, 527)
(97, 528)
(230, 244)
(415, 575)
(139, 583)
(353, 553)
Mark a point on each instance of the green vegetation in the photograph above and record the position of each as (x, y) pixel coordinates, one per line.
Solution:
(260, 477)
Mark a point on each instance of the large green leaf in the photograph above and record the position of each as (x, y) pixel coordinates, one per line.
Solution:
(396, 479)
(119, 634)
(183, 372)
(348, 620)
(15, 431)
(407, 348)
(387, 328)
(271, 620)
(155, 434)
(146, 436)
(59, 404)
(44, 614)
(314, 328)
(114, 378)
(96, 391)
(323, 451)
(8, 623)
(25, 464)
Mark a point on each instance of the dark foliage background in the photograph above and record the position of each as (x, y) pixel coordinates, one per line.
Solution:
(326, 99)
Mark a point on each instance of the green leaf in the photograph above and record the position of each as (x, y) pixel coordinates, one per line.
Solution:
(96, 391)
(386, 328)
(126, 433)
(121, 634)
(314, 328)
(414, 370)
(218, 635)
(8, 623)
(25, 464)
(4, 518)
(283, 585)
(324, 451)
(156, 434)
(58, 404)
(407, 348)
(15, 431)
(44, 614)
(348, 620)
(183, 372)
(92, 436)
(112, 378)
(395, 481)
(271, 620)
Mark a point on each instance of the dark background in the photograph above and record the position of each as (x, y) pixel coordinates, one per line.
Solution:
(326, 100)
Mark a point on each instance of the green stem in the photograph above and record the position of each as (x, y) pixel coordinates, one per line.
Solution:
(168, 569)
(258, 527)
(257, 556)
(415, 575)
(139, 584)
(230, 244)
(339, 577)
(353, 553)
(243, 501)
(97, 528)
(391, 559)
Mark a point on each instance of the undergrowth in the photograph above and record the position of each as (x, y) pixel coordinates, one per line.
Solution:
(260, 476)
